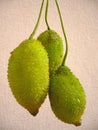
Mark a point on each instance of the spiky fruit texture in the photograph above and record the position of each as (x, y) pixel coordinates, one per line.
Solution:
(54, 46)
(67, 96)
(28, 74)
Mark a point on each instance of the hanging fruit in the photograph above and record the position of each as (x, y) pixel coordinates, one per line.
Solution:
(28, 73)
(37, 68)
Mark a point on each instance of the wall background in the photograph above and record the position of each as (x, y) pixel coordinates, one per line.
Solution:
(17, 20)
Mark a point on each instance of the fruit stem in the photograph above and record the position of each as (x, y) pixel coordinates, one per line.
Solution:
(66, 42)
(38, 20)
(46, 12)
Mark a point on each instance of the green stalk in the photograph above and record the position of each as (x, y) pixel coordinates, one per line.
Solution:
(66, 42)
(38, 20)
(46, 13)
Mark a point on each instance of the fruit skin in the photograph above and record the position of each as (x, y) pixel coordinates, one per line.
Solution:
(67, 96)
(54, 46)
(28, 74)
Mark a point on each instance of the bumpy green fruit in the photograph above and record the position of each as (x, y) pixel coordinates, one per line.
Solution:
(54, 46)
(28, 74)
(67, 96)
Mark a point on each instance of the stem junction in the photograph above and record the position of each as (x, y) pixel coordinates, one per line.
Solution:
(38, 20)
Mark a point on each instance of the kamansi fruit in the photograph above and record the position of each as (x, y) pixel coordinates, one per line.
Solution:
(54, 46)
(28, 74)
(67, 96)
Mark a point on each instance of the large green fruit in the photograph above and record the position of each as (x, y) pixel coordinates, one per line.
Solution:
(54, 46)
(28, 74)
(67, 96)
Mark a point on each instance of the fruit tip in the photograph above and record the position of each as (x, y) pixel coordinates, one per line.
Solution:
(34, 113)
(77, 124)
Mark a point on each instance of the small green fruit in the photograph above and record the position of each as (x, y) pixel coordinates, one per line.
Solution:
(54, 46)
(67, 96)
(28, 74)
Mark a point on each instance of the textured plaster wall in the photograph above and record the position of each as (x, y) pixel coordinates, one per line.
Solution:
(17, 20)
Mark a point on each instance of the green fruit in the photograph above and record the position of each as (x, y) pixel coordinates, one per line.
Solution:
(67, 96)
(54, 46)
(28, 74)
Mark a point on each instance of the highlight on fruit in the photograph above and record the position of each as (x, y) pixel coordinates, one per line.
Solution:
(37, 68)
(28, 74)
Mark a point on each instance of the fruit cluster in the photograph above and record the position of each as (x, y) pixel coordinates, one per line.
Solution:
(35, 69)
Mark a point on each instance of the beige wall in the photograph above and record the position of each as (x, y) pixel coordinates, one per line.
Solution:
(17, 20)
